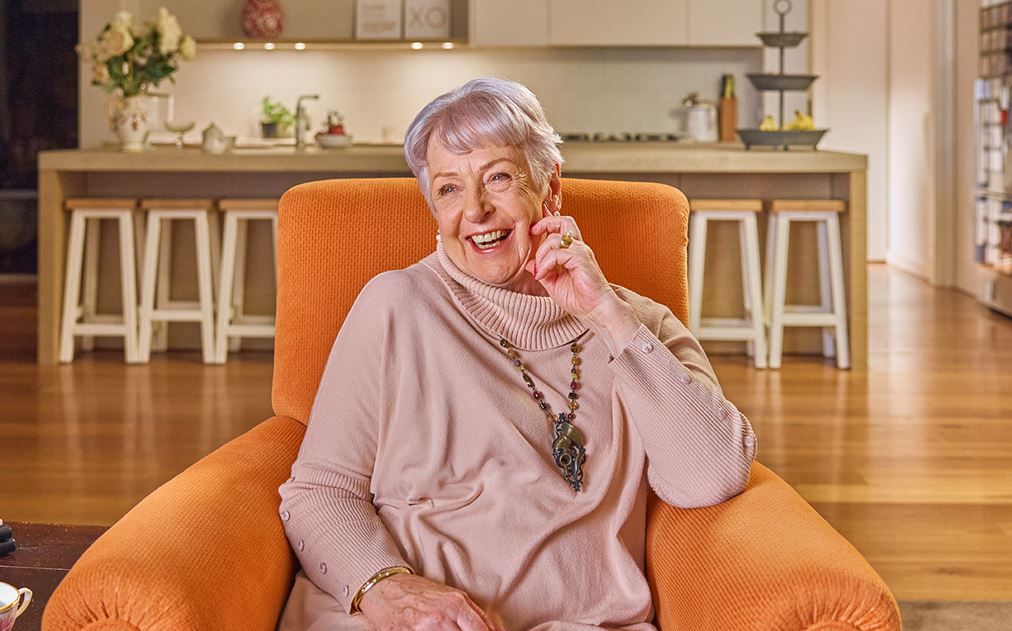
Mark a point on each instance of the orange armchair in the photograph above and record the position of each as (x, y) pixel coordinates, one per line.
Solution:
(207, 550)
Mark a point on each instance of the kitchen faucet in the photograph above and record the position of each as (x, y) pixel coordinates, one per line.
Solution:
(300, 123)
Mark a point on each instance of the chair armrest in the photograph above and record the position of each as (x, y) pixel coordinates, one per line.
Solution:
(762, 560)
(204, 551)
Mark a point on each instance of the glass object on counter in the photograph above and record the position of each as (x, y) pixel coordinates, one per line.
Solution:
(179, 129)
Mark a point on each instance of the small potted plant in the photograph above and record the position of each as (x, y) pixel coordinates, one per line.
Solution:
(127, 59)
(277, 120)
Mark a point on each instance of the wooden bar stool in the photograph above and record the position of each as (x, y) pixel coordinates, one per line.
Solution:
(80, 319)
(233, 321)
(831, 312)
(157, 273)
(750, 328)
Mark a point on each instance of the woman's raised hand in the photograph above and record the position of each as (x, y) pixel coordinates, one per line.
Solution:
(571, 276)
(408, 601)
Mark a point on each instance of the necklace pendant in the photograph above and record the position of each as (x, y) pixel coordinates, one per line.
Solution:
(569, 453)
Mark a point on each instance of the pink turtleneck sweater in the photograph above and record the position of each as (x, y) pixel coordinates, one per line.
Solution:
(426, 449)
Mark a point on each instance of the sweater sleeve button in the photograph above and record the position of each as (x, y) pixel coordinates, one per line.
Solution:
(345, 590)
(285, 515)
(647, 347)
(323, 568)
(749, 440)
(685, 378)
(302, 545)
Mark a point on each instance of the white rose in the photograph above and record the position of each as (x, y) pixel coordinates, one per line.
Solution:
(168, 31)
(85, 51)
(115, 41)
(99, 73)
(123, 19)
(188, 48)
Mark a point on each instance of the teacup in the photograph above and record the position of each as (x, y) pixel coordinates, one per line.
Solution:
(9, 608)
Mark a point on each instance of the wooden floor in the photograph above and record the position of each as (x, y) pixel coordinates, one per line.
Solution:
(911, 461)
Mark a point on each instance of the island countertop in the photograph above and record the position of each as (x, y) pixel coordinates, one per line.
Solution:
(723, 170)
(581, 157)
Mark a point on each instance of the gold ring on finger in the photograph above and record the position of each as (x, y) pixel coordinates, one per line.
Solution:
(567, 240)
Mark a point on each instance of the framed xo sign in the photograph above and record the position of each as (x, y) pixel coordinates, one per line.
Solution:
(426, 19)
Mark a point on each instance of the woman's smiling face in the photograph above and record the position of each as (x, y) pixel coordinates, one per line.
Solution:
(485, 206)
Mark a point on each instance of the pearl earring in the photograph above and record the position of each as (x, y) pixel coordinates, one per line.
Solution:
(439, 237)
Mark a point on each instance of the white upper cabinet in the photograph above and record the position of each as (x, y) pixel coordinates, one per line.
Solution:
(617, 22)
(514, 23)
(725, 22)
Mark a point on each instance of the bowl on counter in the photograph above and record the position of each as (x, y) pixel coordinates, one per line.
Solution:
(332, 141)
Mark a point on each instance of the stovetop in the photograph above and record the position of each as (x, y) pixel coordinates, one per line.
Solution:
(619, 137)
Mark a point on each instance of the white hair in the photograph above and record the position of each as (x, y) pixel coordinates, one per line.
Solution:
(482, 112)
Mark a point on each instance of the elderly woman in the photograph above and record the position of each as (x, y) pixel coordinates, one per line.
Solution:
(489, 418)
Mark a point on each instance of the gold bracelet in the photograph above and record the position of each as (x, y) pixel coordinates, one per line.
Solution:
(376, 578)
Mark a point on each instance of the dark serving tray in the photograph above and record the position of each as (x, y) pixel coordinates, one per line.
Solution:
(788, 82)
(777, 39)
(757, 137)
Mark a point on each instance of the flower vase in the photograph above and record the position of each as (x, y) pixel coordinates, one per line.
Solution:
(263, 19)
(130, 119)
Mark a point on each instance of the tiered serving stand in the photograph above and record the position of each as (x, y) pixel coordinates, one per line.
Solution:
(781, 83)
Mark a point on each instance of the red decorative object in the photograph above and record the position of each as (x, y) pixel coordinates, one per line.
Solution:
(263, 19)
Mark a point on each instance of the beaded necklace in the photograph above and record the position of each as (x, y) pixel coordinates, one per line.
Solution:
(567, 447)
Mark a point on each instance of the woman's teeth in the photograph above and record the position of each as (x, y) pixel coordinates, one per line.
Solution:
(489, 239)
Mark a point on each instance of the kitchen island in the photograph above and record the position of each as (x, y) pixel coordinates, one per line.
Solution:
(720, 170)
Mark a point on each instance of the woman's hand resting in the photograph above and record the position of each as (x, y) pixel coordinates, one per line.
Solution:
(407, 601)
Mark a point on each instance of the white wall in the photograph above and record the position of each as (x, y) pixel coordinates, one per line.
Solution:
(849, 52)
(582, 89)
(968, 277)
(912, 142)
(898, 85)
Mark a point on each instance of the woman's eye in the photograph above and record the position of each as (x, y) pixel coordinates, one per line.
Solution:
(499, 182)
(446, 190)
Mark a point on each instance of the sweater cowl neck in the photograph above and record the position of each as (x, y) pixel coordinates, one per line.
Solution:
(533, 323)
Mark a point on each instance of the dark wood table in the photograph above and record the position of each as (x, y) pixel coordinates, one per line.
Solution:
(44, 555)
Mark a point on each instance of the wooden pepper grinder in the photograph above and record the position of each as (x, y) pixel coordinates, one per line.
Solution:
(728, 109)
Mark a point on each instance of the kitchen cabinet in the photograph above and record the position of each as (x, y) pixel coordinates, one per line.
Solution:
(725, 22)
(654, 22)
(611, 23)
(516, 23)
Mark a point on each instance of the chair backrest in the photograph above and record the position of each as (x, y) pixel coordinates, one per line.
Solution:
(335, 235)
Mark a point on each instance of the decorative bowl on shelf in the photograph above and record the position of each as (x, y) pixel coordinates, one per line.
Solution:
(785, 139)
(786, 40)
(789, 82)
(331, 141)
